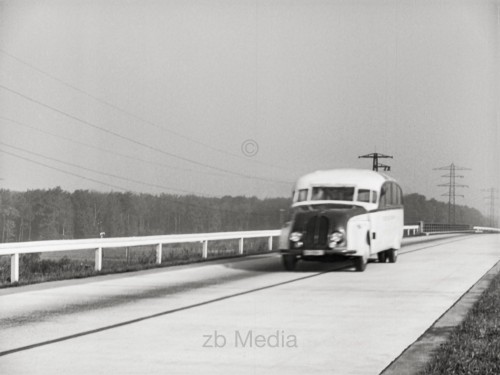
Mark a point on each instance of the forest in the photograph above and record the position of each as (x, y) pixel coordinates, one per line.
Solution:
(50, 214)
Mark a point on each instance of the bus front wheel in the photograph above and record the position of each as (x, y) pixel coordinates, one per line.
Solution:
(289, 261)
(360, 263)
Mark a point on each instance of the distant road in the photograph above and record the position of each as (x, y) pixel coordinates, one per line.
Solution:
(240, 316)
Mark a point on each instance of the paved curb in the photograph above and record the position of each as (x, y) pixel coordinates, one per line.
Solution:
(417, 355)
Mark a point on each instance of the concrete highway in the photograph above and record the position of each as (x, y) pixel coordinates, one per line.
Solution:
(241, 316)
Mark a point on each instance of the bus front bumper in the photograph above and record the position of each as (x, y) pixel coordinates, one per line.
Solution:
(318, 252)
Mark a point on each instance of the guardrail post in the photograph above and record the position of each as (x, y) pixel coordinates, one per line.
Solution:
(204, 253)
(159, 249)
(270, 243)
(98, 259)
(14, 268)
(240, 250)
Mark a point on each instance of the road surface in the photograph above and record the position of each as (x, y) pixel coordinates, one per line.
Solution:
(240, 316)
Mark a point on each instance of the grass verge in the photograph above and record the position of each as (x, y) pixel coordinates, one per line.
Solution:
(474, 346)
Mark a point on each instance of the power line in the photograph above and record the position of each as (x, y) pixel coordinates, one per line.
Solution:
(115, 134)
(376, 165)
(132, 115)
(125, 189)
(98, 172)
(63, 171)
(452, 185)
(113, 152)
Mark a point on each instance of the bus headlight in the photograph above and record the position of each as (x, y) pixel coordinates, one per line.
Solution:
(335, 238)
(295, 236)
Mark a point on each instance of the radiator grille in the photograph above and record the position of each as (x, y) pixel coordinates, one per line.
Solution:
(316, 232)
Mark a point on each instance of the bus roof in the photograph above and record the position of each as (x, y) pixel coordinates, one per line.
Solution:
(363, 178)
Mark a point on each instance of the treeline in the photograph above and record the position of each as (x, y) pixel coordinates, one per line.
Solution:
(418, 208)
(57, 214)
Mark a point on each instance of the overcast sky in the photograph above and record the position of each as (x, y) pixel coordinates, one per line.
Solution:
(161, 96)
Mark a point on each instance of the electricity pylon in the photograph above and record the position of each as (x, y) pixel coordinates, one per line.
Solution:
(376, 165)
(452, 185)
(491, 198)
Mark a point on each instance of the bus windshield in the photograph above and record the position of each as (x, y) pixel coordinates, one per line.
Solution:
(342, 193)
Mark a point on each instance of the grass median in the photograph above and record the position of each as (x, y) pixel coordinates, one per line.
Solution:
(474, 346)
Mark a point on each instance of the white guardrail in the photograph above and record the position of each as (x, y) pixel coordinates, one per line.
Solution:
(486, 229)
(15, 248)
(411, 230)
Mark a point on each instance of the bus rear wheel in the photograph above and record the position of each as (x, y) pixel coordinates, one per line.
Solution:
(392, 255)
(289, 261)
(382, 257)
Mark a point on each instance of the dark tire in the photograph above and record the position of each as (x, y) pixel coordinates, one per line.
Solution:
(382, 257)
(289, 261)
(392, 255)
(360, 264)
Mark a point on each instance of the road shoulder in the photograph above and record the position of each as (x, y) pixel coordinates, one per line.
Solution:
(417, 355)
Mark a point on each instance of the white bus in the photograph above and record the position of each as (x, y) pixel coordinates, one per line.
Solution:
(344, 213)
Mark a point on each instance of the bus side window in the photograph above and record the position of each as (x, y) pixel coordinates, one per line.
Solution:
(383, 196)
(396, 195)
(363, 195)
(399, 195)
(392, 196)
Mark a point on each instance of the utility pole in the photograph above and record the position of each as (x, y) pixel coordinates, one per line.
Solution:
(491, 198)
(452, 185)
(376, 165)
